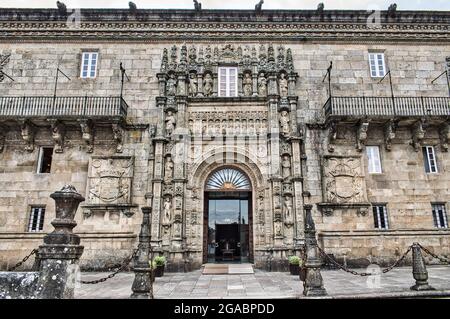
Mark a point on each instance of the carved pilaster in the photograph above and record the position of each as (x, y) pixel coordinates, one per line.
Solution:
(361, 135)
(28, 132)
(444, 135)
(418, 134)
(118, 137)
(389, 133)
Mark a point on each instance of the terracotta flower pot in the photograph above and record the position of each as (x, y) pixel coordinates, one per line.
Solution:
(159, 271)
(294, 269)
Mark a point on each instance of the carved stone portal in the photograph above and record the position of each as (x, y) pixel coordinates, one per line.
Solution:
(343, 180)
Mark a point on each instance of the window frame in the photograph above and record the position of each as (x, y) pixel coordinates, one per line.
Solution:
(436, 218)
(373, 163)
(38, 220)
(428, 161)
(376, 212)
(89, 64)
(41, 159)
(228, 77)
(374, 56)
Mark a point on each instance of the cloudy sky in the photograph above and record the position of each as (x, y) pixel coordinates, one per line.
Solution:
(236, 4)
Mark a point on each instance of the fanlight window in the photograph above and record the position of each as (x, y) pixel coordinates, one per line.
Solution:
(228, 179)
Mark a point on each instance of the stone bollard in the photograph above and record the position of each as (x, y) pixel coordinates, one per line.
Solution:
(61, 251)
(142, 285)
(420, 272)
(313, 285)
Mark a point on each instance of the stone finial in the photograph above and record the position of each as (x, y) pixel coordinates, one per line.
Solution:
(320, 8)
(258, 7)
(62, 9)
(132, 6)
(392, 10)
(197, 6)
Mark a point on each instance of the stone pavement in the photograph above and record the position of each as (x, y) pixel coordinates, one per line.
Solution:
(261, 285)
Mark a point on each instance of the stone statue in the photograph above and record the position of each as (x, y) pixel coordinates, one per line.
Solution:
(208, 85)
(278, 230)
(132, 6)
(392, 10)
(284, 123)
(168, 171)
(258, 6)
(167, 211)
(320, 8)
(197, 5)
(248, 85)
(171, 86)
(170, 123)
(193, 84)
(283, 85)
(287, 208)
(286, 165)
(62, 9)
(262, 85)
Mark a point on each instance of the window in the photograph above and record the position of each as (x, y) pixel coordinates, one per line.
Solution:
(89, 65)
(439, 216)
(377, 65)
(373, 156)
(380, 217)
(36, 223)
(45, 160)
(429, 159)
(227, 82)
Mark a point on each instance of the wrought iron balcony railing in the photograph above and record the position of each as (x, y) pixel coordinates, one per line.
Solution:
(387, 106)
(62, 107)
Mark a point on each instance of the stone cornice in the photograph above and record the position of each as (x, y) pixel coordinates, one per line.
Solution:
(240, 25)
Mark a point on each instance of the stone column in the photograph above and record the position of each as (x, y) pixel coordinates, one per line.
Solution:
(313, 285)
(142, 284)
(61, 251)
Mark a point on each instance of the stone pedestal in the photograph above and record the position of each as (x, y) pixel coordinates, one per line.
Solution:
(142, 285)
(313, 285)
(60, 254)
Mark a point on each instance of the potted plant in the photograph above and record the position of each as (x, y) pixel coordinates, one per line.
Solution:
(294, 265)
(159, 264)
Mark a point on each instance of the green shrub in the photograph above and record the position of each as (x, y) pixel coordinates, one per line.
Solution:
(159, 261)
(294, 260)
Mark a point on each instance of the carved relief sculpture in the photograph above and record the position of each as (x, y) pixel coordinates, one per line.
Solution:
(87, 134)
(170, 123)
(389, 134)
(248, 84)
(167, 216)
(287, 207)
(284, 124)
(361, 135)
(118, 137)
(193, 84)
(58, 130)
(27, 131)
(168, 169)
(262, 85)
(171, 89)
(418, 134)
(208, 85)
(283, 84)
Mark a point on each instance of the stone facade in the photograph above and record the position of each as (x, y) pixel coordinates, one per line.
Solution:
(177, 130)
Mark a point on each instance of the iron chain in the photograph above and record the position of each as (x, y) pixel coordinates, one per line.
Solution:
(441, 259)
(364, 274)
(112, 275)
(20, 263)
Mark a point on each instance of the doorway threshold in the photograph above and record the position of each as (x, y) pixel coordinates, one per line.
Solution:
(228, 269)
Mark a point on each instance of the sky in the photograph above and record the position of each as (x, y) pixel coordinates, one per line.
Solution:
(236, 4)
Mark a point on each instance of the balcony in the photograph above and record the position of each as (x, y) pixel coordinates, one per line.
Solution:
(63, 108)
(386, 107)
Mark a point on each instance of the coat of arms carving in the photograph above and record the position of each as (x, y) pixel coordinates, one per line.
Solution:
(110, 180)
(343, 180)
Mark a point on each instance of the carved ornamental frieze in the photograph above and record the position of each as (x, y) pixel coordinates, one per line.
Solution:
(343, 180)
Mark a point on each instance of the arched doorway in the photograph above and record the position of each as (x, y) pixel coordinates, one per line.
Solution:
(228, 217)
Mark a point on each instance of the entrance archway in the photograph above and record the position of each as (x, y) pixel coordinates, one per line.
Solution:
(228, 217)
